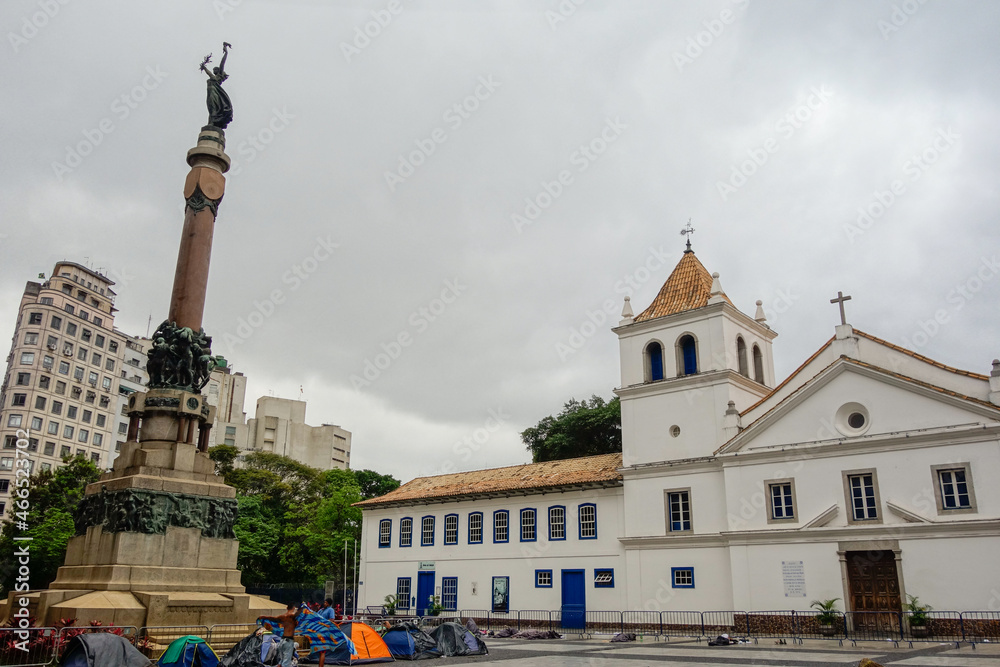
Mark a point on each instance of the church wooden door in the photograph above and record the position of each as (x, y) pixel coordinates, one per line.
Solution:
(874, 590)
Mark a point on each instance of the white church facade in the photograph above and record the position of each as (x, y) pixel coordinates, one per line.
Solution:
(869, 474)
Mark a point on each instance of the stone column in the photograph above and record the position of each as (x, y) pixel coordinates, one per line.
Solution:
(203, 191)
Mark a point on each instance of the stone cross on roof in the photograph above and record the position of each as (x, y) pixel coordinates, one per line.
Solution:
(841, 299)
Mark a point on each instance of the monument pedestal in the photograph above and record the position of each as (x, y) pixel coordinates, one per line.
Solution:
(154, 543)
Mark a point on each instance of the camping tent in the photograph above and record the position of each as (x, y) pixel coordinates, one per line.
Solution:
(455, 639)
(408, 642)
(323, 635)
(368, 644)
(245, 653)
(102, 649)
(189, 651)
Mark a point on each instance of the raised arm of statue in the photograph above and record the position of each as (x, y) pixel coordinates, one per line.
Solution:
(225, 54)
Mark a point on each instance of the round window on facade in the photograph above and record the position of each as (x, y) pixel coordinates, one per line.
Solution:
(675, 431)
(852, 419)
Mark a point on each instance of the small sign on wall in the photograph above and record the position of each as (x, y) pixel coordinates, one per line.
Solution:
(425, 565)
(793, 576)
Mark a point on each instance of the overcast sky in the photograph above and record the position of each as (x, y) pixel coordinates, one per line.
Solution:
(768, 124)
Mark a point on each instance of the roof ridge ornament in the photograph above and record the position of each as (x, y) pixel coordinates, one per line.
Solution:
(687, 231)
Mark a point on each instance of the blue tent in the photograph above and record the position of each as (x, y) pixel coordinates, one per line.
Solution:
(189, 651)
(406, 641)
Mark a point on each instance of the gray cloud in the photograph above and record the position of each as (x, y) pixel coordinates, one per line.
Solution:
(779, 237)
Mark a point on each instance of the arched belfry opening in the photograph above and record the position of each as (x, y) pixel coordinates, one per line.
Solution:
(654, 362)
(758, 365)
(741, 357)
(687, 355)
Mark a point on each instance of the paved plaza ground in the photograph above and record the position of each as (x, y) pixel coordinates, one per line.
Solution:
(600, 653)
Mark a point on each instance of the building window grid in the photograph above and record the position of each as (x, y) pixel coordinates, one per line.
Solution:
(781, 501)
(604, 578)
(405, 532)
(476, 528)
(451, 529)
(588, 521)
(528, 525)
(403, 593)
(501, 525)
(427, 531)
(449, 592)
(863, 504)
(543, 578)
(682, 577)
(679, 503)
(557, 523)
(384, 531)
(954, 489)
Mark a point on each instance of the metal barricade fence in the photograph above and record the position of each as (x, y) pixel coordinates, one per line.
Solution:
(156, 639)
(498, 620)
(808, 626)
(874, 626)
(129, 632)
(603, 622)
(682, 624)
(534, 619)
(224, 636)
(933, 626)
(642, 623)
(27, 647)
(480, 616)
(732, 623)
(980, 626)
(778, 624)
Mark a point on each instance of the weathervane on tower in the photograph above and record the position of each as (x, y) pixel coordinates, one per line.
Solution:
(688, 231)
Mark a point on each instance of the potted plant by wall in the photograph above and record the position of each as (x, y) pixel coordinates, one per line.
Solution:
(918, 616)
(435, 607)
(828, 616)
(390, 604)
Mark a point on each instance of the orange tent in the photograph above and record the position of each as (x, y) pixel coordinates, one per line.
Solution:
(368, 644)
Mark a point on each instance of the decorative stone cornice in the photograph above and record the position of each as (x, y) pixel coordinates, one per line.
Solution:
(898, 531)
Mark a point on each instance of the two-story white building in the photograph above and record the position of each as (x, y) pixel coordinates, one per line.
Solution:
(866, 475)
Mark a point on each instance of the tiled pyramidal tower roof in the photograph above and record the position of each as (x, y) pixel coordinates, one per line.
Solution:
(687, 288)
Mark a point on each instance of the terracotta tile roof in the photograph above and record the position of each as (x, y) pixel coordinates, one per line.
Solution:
(530, 476)
(687, 288)
(921, 357)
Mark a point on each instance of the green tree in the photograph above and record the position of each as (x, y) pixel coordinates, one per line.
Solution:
(53, 496)
(225, 458)
(317, 530)
(583, 428)
(373, 484)
(259, 530)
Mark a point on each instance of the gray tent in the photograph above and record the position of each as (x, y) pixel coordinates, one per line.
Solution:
(455, 639)
(102, 649)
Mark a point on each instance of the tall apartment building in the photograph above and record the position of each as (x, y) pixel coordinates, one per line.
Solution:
(64, 373)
